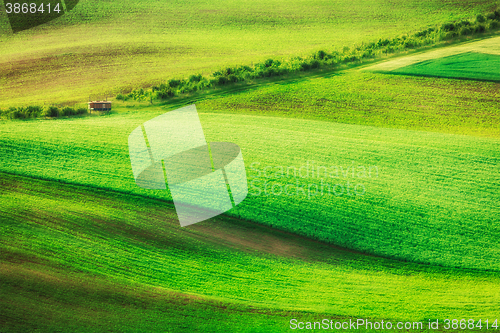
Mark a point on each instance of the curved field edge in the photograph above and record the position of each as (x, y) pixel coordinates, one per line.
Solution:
(93, 50)
(364, 98)
(84, 303)
(487, 46)
(93, 257)
(465, 66)
(433, 198)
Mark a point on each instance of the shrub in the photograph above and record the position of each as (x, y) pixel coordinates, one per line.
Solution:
(16, 113)
(491, 16)
(266, 72)
(184, 89)
(120, 97)
(242, 70)
(368, 54)
(174, 83)
(465, 31)
(464, 23)
(52, 111)
(448, 27)
(350, 58)
(221, 80)
(450, 35)
(67, 111)
(424, 33)
(480, 28)
(304, 66)
(390, 49)
(320, 55)
(268, 62)
(195, 78)
(384, 42)
(271, 67)
(32, 111)
(81, 111)
(232, 78)
(165, 93)
(409, 43)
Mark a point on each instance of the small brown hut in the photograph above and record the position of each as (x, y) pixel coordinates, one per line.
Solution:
(100, 106)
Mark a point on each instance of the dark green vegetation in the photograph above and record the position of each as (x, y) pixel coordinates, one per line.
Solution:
(471, 65)
(30, 112)
(40, 11)
(78, 259)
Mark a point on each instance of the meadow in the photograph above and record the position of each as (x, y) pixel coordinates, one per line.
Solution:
(102, 48)
(440, 208)
(370, 195)
(80, 259)
(361, 97)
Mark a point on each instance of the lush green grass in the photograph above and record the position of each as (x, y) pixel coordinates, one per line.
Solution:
(106, 255)
(101, 47)
(435, 199)
(364, 98)
(77, 259)
(63, 301)
(471, 65)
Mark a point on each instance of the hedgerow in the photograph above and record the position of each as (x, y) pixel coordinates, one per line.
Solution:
(319, 59)
(30, 112)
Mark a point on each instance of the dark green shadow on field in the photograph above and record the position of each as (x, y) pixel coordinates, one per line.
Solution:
(464, 66)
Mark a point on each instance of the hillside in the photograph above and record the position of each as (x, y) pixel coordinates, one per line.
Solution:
(88, 260)
(103, 47)
(374, 191)
(435, 194)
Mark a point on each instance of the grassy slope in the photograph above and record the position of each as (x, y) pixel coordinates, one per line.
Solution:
(133, 255)
(436, 194)
(101, 46)
(35, 297)
(364, 98)
(83, 259)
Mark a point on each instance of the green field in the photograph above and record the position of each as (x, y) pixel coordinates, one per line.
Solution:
(478, 66)
(452, 224)
(93, 260)
(371, 196)
(103, 47)
(365, 98)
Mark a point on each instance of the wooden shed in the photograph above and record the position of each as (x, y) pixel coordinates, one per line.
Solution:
(100, 106)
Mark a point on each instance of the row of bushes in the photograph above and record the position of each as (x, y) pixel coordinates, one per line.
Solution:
(39, 111)
(320, 59)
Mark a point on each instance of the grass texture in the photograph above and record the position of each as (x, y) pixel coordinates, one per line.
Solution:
(434, 198)
(101, 48)
(365, 98)
(477, 66)
(80, 259)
